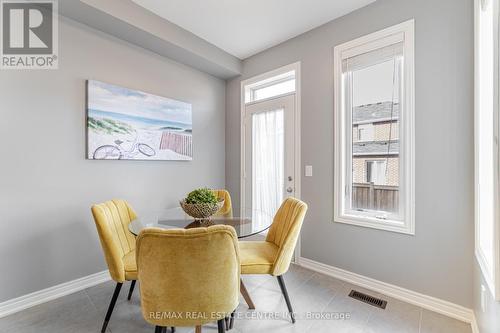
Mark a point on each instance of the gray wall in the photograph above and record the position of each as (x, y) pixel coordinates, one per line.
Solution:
(489, 320)
(47, 187)
(437, 260)
(131, 22)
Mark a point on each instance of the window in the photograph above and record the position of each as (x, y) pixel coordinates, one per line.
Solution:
(374, 122)
(365, 132)
(376, 172)
(487, 241)
(276, 89)
(277, 85)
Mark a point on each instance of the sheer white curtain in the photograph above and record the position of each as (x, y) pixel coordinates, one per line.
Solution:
(267, 162)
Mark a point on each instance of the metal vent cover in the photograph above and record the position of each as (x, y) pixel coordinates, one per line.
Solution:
(376, 302)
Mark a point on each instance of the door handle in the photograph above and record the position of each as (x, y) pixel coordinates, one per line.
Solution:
(289, 190)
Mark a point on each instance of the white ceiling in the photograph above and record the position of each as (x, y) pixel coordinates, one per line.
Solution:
(246, 27)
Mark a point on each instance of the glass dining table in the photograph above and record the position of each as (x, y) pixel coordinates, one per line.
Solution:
(250, 223)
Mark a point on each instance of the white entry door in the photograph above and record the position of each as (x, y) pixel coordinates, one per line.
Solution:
(269, 160)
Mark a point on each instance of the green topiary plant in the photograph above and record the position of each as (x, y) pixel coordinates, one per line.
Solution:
(201, 195)
(201, 203)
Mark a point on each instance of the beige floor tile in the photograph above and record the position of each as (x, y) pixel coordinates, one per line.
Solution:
(397, 317)
(321, 303)
(72, 313)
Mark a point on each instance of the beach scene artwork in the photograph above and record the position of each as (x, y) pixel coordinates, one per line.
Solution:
(125, 124)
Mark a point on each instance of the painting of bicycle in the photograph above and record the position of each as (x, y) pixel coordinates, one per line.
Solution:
(125, 124)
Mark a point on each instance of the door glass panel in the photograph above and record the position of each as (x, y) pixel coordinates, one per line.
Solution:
(268, 156)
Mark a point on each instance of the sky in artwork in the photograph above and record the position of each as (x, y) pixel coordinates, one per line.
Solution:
(110, 98)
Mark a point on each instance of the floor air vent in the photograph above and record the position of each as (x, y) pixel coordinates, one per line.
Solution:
(377, 302)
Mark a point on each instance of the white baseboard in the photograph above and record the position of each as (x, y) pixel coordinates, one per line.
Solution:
(427, 302)
(475, 327)
(38, 297)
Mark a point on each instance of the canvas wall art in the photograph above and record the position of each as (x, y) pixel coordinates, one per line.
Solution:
(125, 124)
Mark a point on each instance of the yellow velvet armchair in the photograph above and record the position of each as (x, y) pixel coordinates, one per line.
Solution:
(273, 256)
(227, 208)
(188, 277)
(112, 219)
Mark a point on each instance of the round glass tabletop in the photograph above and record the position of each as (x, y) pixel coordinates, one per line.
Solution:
(252, 223)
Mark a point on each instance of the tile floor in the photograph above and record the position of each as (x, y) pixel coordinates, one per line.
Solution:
(312, 294)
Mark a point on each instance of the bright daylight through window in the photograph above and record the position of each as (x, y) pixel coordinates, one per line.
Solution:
(374, 126)
(486, 151)
(277, 85)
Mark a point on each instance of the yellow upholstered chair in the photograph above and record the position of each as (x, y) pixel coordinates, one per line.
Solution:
(192, 273)
(273, 256)
(227, 209)
(112, 219)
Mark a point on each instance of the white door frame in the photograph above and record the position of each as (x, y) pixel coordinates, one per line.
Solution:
(297, 141)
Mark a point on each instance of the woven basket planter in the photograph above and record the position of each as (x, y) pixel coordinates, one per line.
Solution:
(201, 210)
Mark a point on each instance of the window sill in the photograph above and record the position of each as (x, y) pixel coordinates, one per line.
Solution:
(373, 223)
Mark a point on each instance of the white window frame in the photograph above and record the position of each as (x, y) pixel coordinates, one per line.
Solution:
(491, 274)
(401, 32)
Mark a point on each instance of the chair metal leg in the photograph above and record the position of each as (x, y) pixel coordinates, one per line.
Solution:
(221, 326)
(198, 329)
(131, 290)
(111, 306)
(173, 329)
(287, 299)
(226, 323)
(231, 322)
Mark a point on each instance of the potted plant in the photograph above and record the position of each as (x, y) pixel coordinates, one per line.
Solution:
(201, 203)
